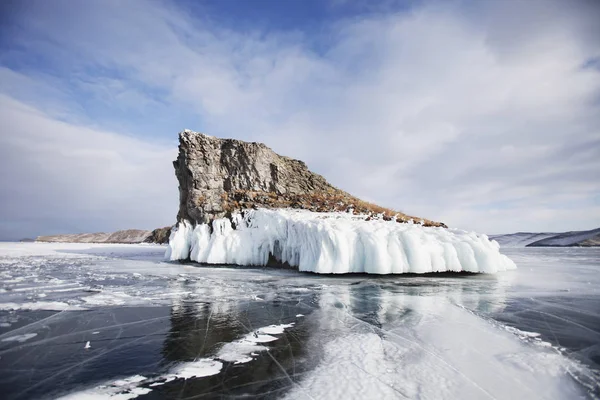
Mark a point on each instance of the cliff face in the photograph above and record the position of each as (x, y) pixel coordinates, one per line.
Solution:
(159, 236)
(219, 176)
(211, 169)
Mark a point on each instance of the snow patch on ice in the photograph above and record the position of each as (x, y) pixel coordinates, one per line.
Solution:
(335, 243)
(108, 299)
(40, 305)
(20, 338)
(122, 389)
(240, 351)
(130, 380)
(520, 333)
(275, 329)
(197, 369)
(532, 337)
(237, 352)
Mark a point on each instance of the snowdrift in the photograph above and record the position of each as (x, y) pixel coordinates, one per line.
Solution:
(335, 243)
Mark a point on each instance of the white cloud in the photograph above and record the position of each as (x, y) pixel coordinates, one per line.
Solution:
(439, 111)
(59, 177)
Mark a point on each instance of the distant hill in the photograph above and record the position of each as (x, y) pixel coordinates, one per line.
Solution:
(520, 239)
(578, 238)
(160, 235)
(589, 238)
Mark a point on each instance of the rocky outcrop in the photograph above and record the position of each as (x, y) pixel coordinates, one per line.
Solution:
(159, 235)
(592, 242)
(220, 176)
(124, 236)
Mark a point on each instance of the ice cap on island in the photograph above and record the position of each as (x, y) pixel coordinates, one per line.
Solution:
(334, 243)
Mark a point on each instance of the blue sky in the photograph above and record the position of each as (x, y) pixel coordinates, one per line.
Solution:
(484, 115)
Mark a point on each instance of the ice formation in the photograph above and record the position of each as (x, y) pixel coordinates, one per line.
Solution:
(334, 243)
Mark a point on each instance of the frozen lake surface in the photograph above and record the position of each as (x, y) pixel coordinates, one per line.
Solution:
(116, 322)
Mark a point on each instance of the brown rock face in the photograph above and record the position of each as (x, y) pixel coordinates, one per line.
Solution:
(159, 235)
(218, 176)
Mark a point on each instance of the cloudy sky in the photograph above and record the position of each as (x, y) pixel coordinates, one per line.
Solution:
(483, 115)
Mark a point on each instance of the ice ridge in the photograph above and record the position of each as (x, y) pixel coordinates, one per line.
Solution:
(335, 243)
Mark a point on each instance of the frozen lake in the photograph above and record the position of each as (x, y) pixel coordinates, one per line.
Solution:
(115, 321)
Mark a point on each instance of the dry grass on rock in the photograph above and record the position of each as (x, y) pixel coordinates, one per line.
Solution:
(318, 202)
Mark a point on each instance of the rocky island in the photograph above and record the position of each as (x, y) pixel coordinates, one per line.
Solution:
(242, 203)
(218, 177)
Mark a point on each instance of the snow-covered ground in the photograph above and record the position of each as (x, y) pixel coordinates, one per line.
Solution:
(335, 243)
(115, 321)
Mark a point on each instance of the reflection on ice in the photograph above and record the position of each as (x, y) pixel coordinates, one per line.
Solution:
(166, 330)
(376, 344)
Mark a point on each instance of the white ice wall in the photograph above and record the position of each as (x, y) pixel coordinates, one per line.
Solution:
(335, 243)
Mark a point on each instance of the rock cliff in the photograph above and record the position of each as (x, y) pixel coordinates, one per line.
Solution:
(159, 235)
(219, 176)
